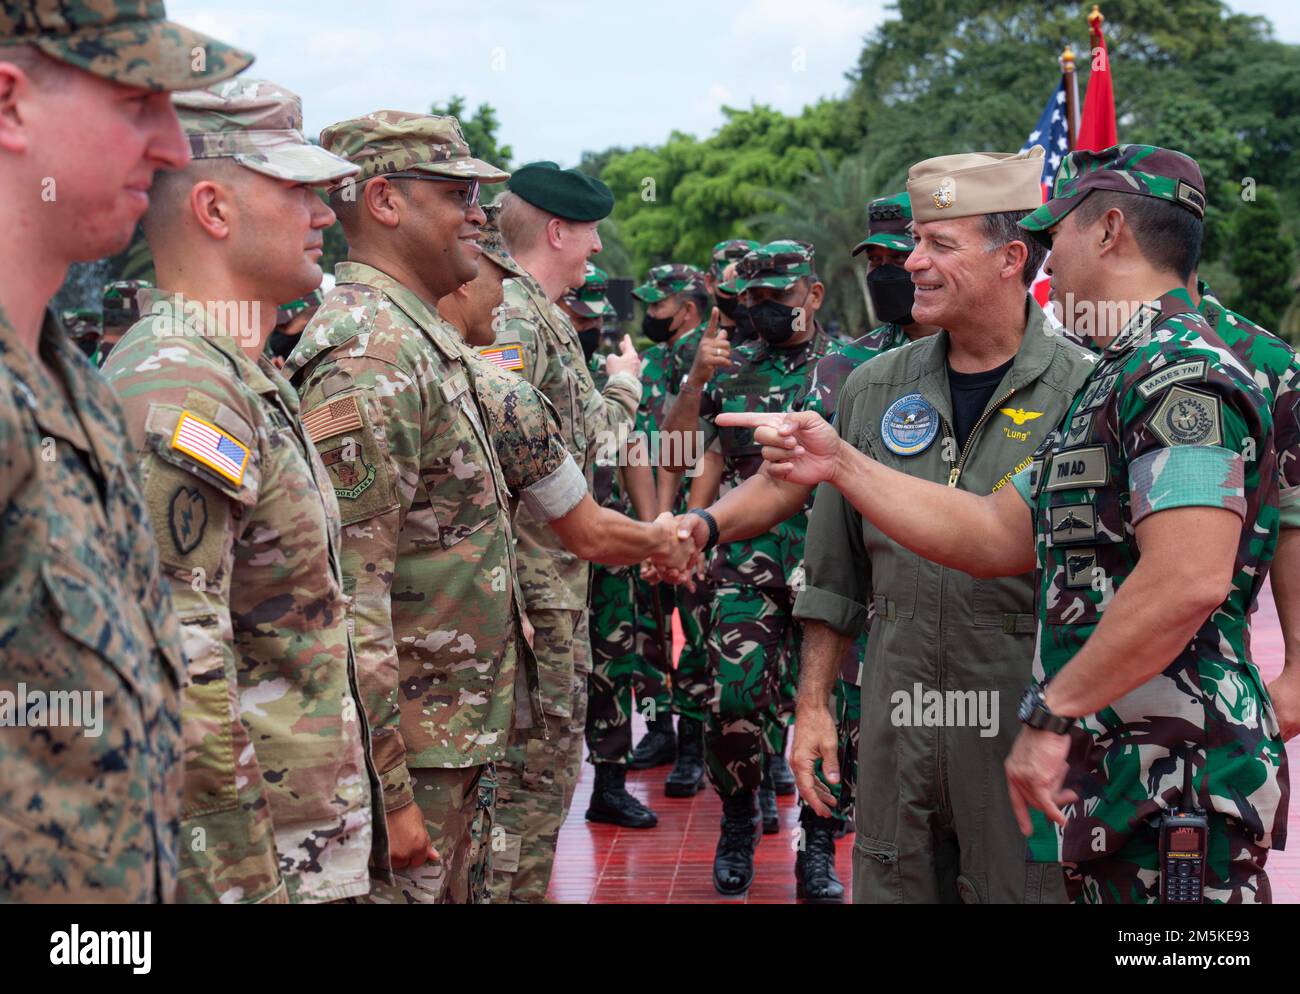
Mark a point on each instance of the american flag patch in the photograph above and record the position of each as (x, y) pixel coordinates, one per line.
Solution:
(209, 445)
(332, 419)
(505, 356)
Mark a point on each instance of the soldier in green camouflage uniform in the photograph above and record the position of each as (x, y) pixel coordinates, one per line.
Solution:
(676, 302)
(886, 246)
(121, 307)
(536, 340)
(83, 606)
(751, 579)
(249, 540)
(730, 311)
(392, 400)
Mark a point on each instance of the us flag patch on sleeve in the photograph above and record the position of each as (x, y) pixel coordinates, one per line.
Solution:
(505, 356)
(207, 444)
(332, 419)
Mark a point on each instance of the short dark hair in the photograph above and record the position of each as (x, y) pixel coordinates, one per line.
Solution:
(698, 296)
(1003, 229)
(1167, 235)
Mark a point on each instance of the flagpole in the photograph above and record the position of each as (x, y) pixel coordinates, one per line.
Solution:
(1071, 94)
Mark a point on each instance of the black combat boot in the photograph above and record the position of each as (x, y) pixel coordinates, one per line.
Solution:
(688, 772)
(814, 866)
(782, 775)
(612, 804)
(733, 864)
(657, 747)
(767, 805)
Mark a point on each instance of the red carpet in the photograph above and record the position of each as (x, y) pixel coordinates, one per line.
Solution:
(672, 863)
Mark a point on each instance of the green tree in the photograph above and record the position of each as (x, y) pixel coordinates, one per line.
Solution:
(1261, 255)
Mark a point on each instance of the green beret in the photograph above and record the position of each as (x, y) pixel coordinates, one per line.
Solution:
(566, 193)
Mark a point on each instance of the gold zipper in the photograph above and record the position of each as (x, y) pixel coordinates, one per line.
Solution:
(955, 475)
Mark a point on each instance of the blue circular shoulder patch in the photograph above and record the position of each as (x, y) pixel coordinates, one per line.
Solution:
(910, 425)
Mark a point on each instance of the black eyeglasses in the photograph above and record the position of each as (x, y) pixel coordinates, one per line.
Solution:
(471, 193)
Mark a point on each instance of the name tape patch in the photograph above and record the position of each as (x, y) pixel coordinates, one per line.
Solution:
(1088, 467)
(1179, 373)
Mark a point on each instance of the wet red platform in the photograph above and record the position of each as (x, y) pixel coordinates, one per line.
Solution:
(672, 863)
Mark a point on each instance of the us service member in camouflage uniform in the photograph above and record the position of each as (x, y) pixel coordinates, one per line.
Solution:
(1168, 437)
(751, 578)
(549, 218)
(85, 617)
(391, 402)
(278, 791)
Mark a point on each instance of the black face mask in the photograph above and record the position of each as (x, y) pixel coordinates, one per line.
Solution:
(590, 338)
(657, 329)
(773, 321)
(892, 292)
(727, 305)
(744, 330)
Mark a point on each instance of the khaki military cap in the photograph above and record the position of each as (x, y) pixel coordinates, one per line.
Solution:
(975, 183)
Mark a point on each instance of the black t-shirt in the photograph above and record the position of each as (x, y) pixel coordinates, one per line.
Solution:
(971, 393)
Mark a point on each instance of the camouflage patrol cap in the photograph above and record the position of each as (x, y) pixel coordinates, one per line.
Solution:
(285, 312)
(666, 280)
(126, 41)
(390, 141)
(888, 224)
(589, 300)
(259, 125)
(731, 250)
(493, 245)
(779, 264)
(82, 323)
(1145, 170)
(121, 302)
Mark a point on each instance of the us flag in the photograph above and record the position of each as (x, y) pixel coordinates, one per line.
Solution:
(505, 356)
(1052, 132)
(210, 446)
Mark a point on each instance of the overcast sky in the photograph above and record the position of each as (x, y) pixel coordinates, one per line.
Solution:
(567, 75)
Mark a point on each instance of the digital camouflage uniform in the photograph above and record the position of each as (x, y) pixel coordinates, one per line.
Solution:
(279, 792)
(823, 392)
(390, 397)
(1169, 418)
(83, 607)
(752, 579)
(541, 767)
(121, 309)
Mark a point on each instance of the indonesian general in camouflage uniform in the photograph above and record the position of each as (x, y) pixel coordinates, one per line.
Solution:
(278, 791)
(753, 579)
(536, 340)
(1169, 418)
(392, 399)
(84, 610)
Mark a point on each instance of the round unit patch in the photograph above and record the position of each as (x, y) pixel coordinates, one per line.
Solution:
(909, 426)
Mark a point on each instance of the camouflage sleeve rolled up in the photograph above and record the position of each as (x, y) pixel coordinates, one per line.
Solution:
(525, 430)
(228, 852)
(370, 440)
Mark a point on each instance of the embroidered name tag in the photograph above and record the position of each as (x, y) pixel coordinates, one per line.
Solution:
(1178, 373)
(1088, 467)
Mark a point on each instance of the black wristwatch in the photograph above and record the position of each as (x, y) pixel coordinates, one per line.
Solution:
(711, 522)
(1035, 713)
